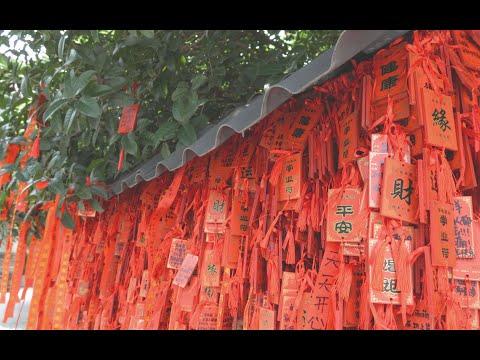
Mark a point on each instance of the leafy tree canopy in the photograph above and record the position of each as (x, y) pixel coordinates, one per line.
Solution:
(186, 80)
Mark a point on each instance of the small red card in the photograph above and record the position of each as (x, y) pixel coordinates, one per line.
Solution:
(463, 221)
(442, 234)
(177, 253)
(348, 138)
(211, 269)
(420, 319)
(266, 319)
(291, 178)
(128, 120)
(217, 207)
(298, 130)
(209, 294)
(186, 270)
(470, 267)
(240, 216)
(379, 143)
(468, 293)
(400, 196)
(208, 318)
(144, 284)
(376, 163)
(467, 49)
(363, 167)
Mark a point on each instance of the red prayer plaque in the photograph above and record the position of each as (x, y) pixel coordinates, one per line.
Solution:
(352, 249)
(198, 169)
(390, 72)
(217, 207)
(209, 294)
(440, 129)
(472, 320)
(247, 172)
(348, 138)
(376, 162)
(306, 312)
(246, 149)
(469, 267)
(389, 294)
(399, 191)
(468, 49)
(211, 269)
(401, 107)
(397, 234)
(298, 129)
(177, 253)
(240, 216)
(275, 125)
(144, 284)
(266, 319)
(208, 317)
(131, 288)
(442, 234)
(468, 293)
(220, 166)
(291, 178)
(128, 120)
(463, 223)
(342, 213)
(288, 319)
(375, 218)
(186, 270)
(379, 143)
(420, 319)
(363, 167)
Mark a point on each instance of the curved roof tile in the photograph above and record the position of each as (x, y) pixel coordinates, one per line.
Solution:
(328, 64)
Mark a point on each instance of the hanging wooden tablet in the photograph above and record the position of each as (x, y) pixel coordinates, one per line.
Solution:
(400, 195)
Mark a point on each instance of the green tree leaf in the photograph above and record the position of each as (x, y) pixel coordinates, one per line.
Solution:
(54, 107)
(68, 221)
(128, 142)
(88, 106)
(78, 84)
(61, 46)
(184, 108)
(165, 151)
(56, 186)
(96, 205)
(100, 191)
(25, 87)
(83, 192)
(187, 134)
(148, 33)
(198, 81)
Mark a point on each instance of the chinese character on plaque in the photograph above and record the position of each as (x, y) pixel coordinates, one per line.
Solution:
(342, 212)
(442, 234)
(399, 191)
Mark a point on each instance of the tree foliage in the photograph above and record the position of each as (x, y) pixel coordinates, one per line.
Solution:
(186, 80)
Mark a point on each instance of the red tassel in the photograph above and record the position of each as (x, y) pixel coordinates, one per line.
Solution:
(120, 160)
(35, 151)
(290, 242)
(377, 259)
(365, 312)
